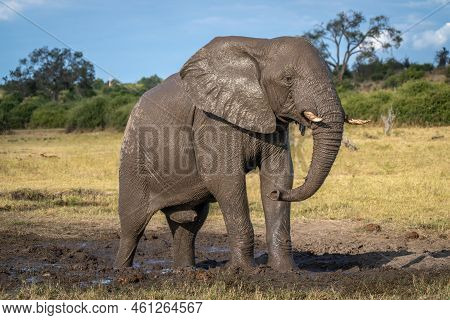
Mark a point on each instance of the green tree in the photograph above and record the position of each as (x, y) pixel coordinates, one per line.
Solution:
(48, 72)
(442, 57)
(150, 82)
(345, 33)
(376, 69)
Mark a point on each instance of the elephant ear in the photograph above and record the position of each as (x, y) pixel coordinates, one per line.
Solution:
(222, 78)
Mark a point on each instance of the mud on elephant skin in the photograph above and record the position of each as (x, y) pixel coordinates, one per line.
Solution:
(192, 139)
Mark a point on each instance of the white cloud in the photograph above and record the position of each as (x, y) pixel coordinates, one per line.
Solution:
(432, 38)
(378, 42)
(18, 5)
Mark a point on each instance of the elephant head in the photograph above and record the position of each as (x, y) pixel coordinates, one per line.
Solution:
(253, 82)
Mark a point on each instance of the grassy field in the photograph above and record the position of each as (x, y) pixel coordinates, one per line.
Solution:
(63, 186)
(403, 179)
(407, 288)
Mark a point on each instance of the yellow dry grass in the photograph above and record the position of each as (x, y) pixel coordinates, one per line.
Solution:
(402, 179)
(418, 289)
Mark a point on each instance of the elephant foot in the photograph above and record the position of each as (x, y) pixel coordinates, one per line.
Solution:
(184, 262)
(283, 265)
(247, 265)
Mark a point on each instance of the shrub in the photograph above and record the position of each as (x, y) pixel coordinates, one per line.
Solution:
(377, 76)
(67, 95)
(150, 82)
(417, 102)
(427, 67)
(50, 115)
(88, 114)
(404, 76)
(20, 115)
(7, 103)
(119, 117)
(423, 102)
(345, 85)
(4, 124)
(367, 105)
(121, 100)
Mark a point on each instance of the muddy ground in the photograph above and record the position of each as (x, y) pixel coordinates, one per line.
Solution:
(330, 254)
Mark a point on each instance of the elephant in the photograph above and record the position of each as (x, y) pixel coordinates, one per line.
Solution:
(192, 139)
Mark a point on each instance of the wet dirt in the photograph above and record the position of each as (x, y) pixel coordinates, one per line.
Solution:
(343, 254)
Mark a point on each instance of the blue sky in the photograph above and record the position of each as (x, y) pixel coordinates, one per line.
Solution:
(136, 38)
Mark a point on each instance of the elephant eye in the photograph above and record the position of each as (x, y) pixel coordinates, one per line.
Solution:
(288, 79)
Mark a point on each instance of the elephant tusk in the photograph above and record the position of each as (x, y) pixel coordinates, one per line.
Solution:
(311, 116)
(356, 121)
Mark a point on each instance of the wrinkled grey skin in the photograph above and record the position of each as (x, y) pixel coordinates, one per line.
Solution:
(231, 105)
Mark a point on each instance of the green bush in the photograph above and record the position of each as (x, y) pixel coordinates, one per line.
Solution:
(109, 108)
(4, 124)
(50, 115)
(88, 114)
(427, 67)
(417, 102)
(150, 82)
(402, 77)
(7, 103)
(367, 105)
(423, 102)
(345, 85)
(20, 115)
(119, 117)
(101, 112)
(121, 100)
(377, 76)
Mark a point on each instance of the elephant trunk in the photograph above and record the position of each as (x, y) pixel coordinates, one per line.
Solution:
(327, 136)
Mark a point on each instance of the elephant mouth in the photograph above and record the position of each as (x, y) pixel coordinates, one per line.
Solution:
(302, 123)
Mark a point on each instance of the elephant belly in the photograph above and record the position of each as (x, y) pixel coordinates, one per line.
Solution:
(157, 151)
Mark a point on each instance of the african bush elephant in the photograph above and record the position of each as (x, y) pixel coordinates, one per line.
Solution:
(192, 139)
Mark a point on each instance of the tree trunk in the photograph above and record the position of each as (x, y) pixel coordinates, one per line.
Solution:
(342, 71)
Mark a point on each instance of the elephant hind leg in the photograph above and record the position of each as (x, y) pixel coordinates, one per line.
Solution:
(135, 212)
(131, 233)
(185, 225)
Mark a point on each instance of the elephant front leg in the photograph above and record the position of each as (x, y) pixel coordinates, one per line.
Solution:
(277, 174)
(231, 194)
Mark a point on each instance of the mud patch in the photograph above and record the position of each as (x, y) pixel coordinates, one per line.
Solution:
(329, 255)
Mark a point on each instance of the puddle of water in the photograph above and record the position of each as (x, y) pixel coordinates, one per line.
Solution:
(32, 280)
(157, 261)
(166, 271)
(105, 281)
(39, 266)
(214, 249)
(29, 269)
(151, 264)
